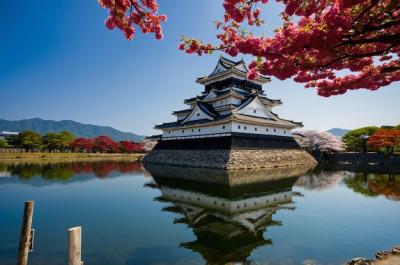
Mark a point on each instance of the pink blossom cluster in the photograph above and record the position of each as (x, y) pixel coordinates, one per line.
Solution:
(317, 140)
(240, 10)
(124, 14)
(332, 45)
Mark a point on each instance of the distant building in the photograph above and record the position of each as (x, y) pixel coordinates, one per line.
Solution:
(231, 113)
(4, 134)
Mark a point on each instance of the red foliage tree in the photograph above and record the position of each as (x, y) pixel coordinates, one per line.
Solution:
(386, 138)
(331, 45)
(82, 144)
(130, 147)
(105, 144)
(125, 14)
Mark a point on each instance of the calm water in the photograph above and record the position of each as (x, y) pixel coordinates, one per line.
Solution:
(161, 215)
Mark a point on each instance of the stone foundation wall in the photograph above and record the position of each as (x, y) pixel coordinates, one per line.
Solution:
(231, 159)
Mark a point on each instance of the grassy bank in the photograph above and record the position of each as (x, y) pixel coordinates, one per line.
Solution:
(66, 157)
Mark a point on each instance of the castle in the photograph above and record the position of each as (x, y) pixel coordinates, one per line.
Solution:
(229, 125)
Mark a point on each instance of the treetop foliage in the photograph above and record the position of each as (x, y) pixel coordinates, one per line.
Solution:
(65, 141)
(331, 45)
(387, 137)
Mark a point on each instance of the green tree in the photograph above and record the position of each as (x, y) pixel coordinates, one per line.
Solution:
(3, 143)
(66, 139)
(58, 141)
(30, 140)
(355, 141)
(14, 141)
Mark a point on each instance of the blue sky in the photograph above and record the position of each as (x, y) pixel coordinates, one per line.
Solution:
(58, 61)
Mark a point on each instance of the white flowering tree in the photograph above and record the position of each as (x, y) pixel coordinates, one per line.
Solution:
(318, 141)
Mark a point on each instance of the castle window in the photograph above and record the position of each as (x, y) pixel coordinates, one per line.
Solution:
(255, 129)
(239, 127)
(192, 130)
(199, 130)
(255, 111)
(198, 114)
(245, 127)
(223, 127)
(169, 132)
(284, 132)
(183, 131)
(274, 130)
(267, 129)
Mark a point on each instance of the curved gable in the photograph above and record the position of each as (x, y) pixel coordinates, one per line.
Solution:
(197, 114)
(255, 108)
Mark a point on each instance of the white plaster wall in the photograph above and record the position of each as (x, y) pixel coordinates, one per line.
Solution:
(216, 129)
(260, 129)
(226, 101)
(229, 127)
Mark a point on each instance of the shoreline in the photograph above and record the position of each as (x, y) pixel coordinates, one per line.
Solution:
(390, 257)
(40, 157)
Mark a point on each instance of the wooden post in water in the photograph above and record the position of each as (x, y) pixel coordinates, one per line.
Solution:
(25, 238)
(75, 246)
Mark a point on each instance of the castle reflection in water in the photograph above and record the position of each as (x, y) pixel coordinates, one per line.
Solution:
(228, 211)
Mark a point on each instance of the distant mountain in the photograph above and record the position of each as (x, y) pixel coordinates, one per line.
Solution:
(338, 131)
(78, 129)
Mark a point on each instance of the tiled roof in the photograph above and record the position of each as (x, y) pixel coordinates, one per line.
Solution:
(207, 108)
(182, 111)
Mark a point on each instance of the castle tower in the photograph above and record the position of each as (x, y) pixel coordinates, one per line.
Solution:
(229, 125)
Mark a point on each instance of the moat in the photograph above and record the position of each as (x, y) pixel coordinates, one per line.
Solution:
(132, 214)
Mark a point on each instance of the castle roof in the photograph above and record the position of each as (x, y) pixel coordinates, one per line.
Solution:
(208, 109)
(229, 96)
(235, 115)
(226, 67)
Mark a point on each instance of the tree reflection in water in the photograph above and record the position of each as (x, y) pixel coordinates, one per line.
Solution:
(373, 185)
(65, 171)
(367, 184)
(228, 211)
